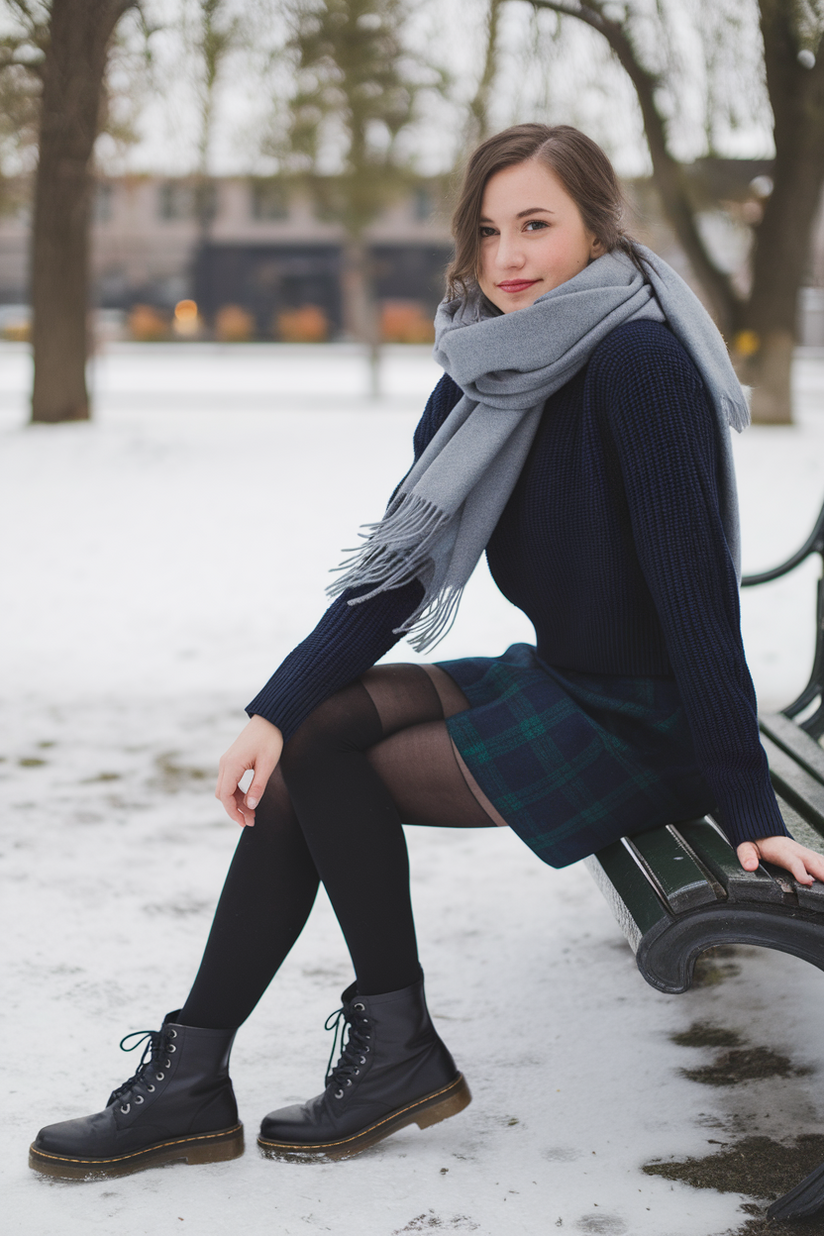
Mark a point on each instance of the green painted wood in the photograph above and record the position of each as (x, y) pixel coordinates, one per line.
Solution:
(628, 891)
(798, 826)
(660, 882)
(682, 881)
(800, 788)
(714, 851)
(803, 749)
(810, 896)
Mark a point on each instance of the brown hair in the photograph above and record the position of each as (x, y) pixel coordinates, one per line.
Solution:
(579, 163)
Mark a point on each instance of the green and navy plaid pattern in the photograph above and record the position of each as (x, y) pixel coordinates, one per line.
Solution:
(574, 761)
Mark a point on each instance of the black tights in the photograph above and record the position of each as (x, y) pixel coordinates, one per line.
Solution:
(375, 755)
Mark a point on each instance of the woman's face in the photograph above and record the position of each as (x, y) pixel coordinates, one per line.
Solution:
(532, 236)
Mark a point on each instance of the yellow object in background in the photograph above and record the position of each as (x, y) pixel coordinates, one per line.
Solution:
(233, 324)
(406, 321)
(746, 342)
(147, 324)
(308, 324)
(186, 319)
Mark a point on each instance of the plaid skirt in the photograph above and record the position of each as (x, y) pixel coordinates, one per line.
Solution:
(574, 761)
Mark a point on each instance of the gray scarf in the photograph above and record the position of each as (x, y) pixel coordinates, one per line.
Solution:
(444, 511)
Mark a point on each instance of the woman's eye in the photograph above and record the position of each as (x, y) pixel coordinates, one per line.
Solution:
(487, 231)
(536, 225)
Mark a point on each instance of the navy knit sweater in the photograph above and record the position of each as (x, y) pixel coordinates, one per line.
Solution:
(612, 544)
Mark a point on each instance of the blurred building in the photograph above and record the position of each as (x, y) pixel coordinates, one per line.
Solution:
(247, 244)
(255, 257)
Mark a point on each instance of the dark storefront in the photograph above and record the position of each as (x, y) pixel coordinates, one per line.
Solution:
(267, 280)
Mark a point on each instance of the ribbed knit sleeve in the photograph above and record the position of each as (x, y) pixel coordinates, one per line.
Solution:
(664, 432)
(349, 638)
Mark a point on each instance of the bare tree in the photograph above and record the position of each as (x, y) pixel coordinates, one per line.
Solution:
(357, 88)
(20, 59)
(213, 35)
(66, 44)
(764, 322)
(478, 128)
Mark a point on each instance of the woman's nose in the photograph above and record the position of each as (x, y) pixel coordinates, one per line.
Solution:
(509, 252)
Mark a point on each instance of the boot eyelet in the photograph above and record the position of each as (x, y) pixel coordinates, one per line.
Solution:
(338, 1094)
(349, 1081)
(125, 1110)
(362, 1060)
(359, 1007)
(357, 1072)
(140, 1099)
(171, 1047)
(168, 1064)
(160, 1076)
(150, 1089)
(173, 1034)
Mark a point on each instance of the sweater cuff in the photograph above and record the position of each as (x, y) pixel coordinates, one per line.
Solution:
(750, 819)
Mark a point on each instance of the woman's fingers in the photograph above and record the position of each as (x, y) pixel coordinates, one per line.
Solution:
(748, 855)
(231, 795)
(813, 865)
(227, 789)
(257, 748)
(803, 864)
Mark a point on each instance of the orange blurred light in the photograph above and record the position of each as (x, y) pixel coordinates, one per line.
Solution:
(185, 311)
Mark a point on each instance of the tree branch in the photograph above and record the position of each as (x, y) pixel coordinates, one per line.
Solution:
(669, 175)
(479, 107)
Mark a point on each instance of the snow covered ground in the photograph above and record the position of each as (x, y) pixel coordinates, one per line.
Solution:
(156, 565)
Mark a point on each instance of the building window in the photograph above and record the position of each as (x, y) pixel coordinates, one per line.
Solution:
(175, 201)
(187, 201)
(103, 201)
(422, 205)
(269, 200)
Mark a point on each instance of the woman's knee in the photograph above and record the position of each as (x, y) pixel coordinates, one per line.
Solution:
(275, 803)
(347, 722)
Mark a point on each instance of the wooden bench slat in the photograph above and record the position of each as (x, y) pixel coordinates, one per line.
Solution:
(798, 826)
(810, 896)
(714, 850)
(682, 882)
(801, 789)
(787, 735)
(627, 889)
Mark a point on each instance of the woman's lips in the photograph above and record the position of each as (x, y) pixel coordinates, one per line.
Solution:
(516, 285)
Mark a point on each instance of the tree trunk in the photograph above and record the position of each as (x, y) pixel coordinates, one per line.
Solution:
(782, 243)
(73, 71)
(360, 310)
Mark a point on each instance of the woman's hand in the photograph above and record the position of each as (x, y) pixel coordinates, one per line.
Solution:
(257, 746)
(803, 864)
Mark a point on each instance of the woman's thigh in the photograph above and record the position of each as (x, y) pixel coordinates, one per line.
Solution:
(417, 760)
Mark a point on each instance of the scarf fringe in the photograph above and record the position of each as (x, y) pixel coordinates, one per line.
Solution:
(737, 411)
(433, 620)
(396, 551)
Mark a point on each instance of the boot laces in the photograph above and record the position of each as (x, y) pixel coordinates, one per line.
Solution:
(157, 1055)
(354, 1050)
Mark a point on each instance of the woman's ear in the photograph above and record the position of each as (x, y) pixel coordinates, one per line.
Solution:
(596, 249)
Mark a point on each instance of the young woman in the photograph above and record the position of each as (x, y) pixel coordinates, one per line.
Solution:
(580, 435)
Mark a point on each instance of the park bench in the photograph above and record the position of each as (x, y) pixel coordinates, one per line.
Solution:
(679, 890)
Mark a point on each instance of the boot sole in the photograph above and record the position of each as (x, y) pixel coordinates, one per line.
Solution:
(431, 1109)
(198, 1148)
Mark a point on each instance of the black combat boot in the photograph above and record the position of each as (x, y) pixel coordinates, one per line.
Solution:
(393, 1071)
(178, 1106)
